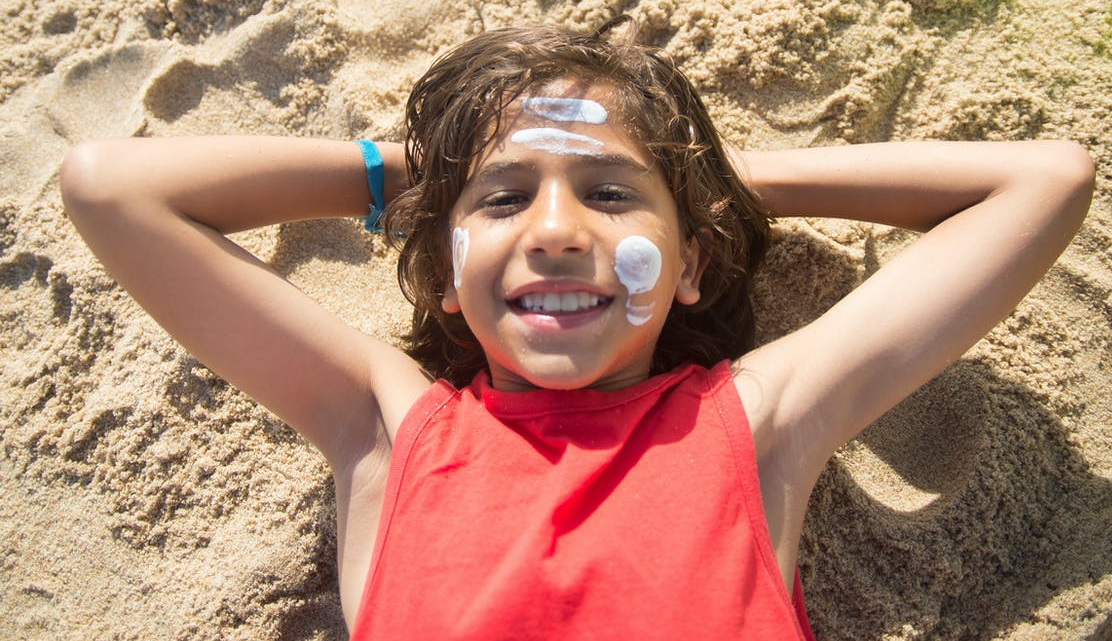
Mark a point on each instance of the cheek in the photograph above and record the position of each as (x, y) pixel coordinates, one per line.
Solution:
(637, 262)
(461, 244)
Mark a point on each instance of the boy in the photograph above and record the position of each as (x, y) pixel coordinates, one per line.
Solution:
(574, 232)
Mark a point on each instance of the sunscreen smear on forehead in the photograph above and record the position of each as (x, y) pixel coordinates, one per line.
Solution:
(637, 262)
(557, 141)
(461, 242)
(566, 109)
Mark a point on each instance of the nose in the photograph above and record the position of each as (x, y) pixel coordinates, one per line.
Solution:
(556, 222)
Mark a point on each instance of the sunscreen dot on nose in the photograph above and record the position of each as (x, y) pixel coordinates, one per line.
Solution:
(637, 263)
(461, 242)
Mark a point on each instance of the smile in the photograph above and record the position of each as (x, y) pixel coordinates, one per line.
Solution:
(559, 302)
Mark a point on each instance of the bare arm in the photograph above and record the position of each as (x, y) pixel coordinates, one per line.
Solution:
(998, 215)
(914, 185)
(154, 211)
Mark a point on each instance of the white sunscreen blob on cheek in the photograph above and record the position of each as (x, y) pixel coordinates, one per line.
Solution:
(637, 262)
(557, 141)
(461, 242)
(566, 110)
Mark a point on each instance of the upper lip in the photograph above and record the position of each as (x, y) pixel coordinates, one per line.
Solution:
(556, 285)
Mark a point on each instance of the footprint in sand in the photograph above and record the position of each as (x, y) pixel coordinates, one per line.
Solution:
(91, 97)
(922, 454)
(38, 296)
(243, 73)
(100, 96)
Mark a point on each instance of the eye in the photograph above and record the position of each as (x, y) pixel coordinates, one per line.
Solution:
(613, 197)
(503, 201)
(610, 193)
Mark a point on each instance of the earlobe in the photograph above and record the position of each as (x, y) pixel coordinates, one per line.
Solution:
(450, 302)
(695, 262)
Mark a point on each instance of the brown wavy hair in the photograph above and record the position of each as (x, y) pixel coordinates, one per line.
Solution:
(454, 112)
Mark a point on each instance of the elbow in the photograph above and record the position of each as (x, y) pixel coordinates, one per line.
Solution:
(1074, 164)
(1081, 171)
(1060, 175)
(1069, 165)
(85, 179)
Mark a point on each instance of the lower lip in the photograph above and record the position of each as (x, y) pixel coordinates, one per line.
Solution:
(541, 321)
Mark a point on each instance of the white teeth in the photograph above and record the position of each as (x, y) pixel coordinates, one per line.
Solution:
(553, 302)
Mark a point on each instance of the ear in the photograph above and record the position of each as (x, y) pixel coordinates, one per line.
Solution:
(450, 302)
(695, 262)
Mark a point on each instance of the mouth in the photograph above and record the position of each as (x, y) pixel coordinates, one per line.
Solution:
(553, 303)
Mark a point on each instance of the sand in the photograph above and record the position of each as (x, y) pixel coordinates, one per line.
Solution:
(141, 497)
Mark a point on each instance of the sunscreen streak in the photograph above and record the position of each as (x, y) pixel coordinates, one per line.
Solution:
(637, 262)
(461, 242)
(566, 110)
(557, 141)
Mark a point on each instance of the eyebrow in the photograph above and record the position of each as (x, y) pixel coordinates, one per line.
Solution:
(497, 169)
(615, 160)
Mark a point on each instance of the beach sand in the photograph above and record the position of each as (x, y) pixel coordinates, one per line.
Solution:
(142, 497)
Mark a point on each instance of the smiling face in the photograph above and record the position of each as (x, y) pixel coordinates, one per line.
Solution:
(566, 246)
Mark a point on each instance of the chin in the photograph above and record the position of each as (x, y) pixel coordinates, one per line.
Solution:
(567, 375)
(570, 382)
(556, 379)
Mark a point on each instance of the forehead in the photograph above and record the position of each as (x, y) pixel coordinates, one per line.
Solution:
(581, 108)
(568, 100)
(564, 120)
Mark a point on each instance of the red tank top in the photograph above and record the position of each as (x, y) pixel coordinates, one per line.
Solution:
(580, 514)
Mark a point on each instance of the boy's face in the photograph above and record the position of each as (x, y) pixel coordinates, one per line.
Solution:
(567, 252)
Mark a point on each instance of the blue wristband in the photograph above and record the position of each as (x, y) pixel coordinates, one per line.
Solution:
(372, 159)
